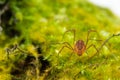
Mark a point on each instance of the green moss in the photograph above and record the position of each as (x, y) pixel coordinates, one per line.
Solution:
(38, 28)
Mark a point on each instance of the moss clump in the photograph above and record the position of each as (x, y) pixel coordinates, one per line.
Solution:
(37, 27)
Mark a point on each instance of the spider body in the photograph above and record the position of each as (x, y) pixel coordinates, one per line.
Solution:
(79, 47)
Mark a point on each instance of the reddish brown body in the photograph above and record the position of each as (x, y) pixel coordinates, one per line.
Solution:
(79, 47)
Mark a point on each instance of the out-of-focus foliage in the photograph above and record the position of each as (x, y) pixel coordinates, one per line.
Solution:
(37, 26)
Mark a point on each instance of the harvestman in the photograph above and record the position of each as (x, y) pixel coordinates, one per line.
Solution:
(80, 46)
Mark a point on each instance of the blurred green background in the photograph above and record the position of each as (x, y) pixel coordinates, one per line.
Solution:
(31, 35)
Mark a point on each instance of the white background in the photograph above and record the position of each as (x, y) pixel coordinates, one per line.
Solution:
(113, 5)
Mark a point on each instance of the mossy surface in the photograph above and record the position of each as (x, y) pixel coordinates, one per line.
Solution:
(33, 32)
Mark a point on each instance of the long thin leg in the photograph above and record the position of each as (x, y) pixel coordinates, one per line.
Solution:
(92, 45)
(108, 40)
(104, 44)
(63, 48)
(72, 30)
(61, 51)
(68, 45)
(87, 39)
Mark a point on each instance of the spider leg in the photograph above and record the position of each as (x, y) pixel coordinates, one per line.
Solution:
(63, 48)
(104, 44)
(68, 45)
(88, 34)
(92, 45)
(72, 30)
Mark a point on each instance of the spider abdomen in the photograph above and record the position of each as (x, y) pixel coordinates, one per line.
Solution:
(79, 47)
